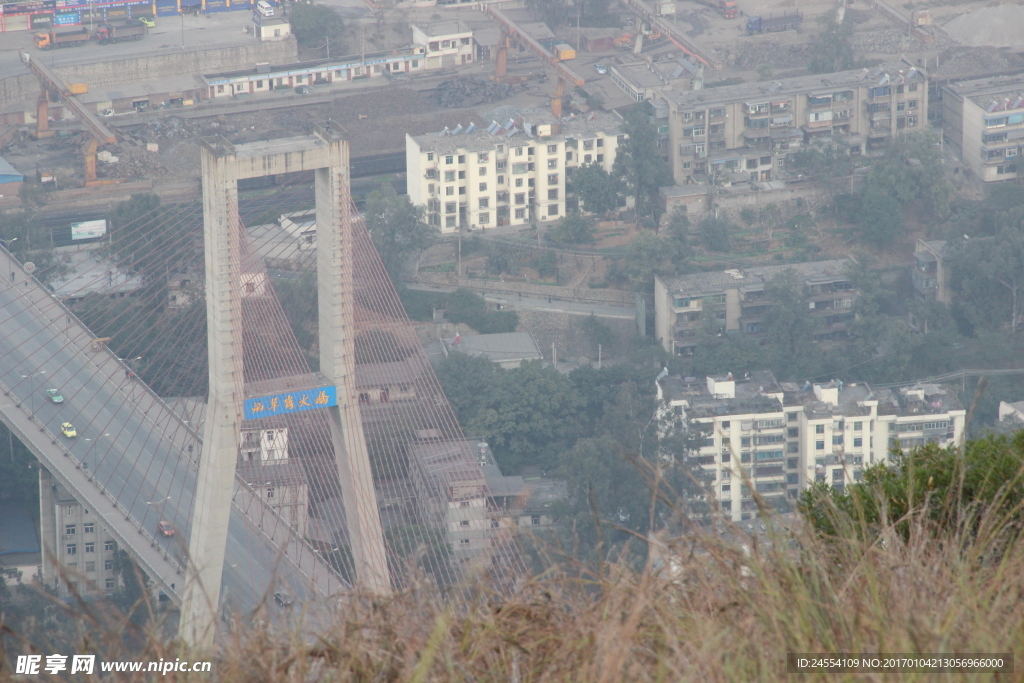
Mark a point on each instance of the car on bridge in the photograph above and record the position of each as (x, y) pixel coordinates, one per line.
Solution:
(165, 529)
(54, 395)
(68, 430)
(283, 599)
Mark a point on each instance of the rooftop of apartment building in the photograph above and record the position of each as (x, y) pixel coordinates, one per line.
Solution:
(999, 93)
(438, 29)
(894, 73)
(272, 472)
(814, 272)
(472, 139)
(759, 392)
(444, 463)
(756, 392)
(646, 74)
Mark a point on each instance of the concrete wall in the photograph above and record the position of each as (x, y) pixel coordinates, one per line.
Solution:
(152, 68)
(564, 329)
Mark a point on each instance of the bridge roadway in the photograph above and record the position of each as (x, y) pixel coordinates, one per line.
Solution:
(130, 454)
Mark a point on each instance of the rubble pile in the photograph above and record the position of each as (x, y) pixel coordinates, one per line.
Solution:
(895, 41)
(470, 92)
(132, 161)
(757, 53)
(171, 127)
(973, 61)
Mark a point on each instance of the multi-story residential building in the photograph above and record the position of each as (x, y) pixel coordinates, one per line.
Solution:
(734, 301)
(931, 273)
(76, 542)
(643, 80)
(747, 131)
(512, 173)
(447, 43)
(984, 121)
(778, 438)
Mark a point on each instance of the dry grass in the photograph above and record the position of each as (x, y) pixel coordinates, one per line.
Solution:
(727, 614)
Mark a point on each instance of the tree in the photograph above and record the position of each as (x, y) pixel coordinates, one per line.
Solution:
(988, 274)
(790, 328)
(881, 217)
(714, 233)
(573, 228)
(465, 306)
(153, 240)
(827, 162)
(396, 226)
(832, 49)
(638, 161)
(644, 259)
(318, 26)
(596, 188)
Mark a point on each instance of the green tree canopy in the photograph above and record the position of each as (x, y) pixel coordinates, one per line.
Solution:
(596, 188)
(714, 233)
(638, 161)
(396, 226)
(832, 49)
(317, 26)
(573, 228)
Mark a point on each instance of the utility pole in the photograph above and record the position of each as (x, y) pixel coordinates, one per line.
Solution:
(598, 356)
(459, 270)
(554, 356)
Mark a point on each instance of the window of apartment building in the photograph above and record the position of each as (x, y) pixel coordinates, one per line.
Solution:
(552, 149)
(520, 198)
(553, 194)
(791, 417)
(530, 151)
(462, 158)
(449, 191)
(483, 187)
(726, 456)
(430, 188)
(485, 217)
(912, 87)
(519, 151)
(552, 209)
(901, 106)
(108, 565)
(726, 488)
(90, 566)
(430, 156)
(520, 213)
(109, 584)
(745, 457)
(726, 474)
(600, 142)
(552, 179)
(483, 171)
(462, 190)
(90, 547)
(793, 432)
(819, 445)
(568, 156)
(519, 168)
(485, 202)
(911, 121)
(70, 529)
(109, 546)
(70, 509)
(71, 549)
(483, 157)
(449, 221)
(693, 131)
(911, 104)
(858, 442)
(717, 113)
(462, 175)
(793, 447)
(449, 176)
(449, 159)
(500, 165)
(837, 440)
(599, 158)
(501, 180)
(744, 440)
(519, 182)
(751, 164)
(449, 207)
(588, 144)
(552, 163)
(857, 426)
(587, 158)
(687, 116)
(819, 429)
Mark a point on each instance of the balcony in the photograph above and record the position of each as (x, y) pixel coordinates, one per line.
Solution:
(822, 102)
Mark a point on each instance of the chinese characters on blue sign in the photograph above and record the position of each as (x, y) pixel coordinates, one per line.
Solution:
(292, 402)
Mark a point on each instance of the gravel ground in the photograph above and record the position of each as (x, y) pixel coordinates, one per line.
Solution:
(990, 26)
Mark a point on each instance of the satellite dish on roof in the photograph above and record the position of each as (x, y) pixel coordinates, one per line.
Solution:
(30, 267)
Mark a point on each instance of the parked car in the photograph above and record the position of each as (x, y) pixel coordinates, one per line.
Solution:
(54, 396)
(165, 529)
(304, 90)
(68, 430)
(601, 69)
(283, 599)
(148, 22)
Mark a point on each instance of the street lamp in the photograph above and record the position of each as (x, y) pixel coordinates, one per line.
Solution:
(7, 243)
(32, 392)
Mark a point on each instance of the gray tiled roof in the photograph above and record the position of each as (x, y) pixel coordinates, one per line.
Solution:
(719, 281)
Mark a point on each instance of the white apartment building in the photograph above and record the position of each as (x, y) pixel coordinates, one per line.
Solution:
(446, 43)
(781, 438)
(984, 120)
(73, 537)
(512, 173)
